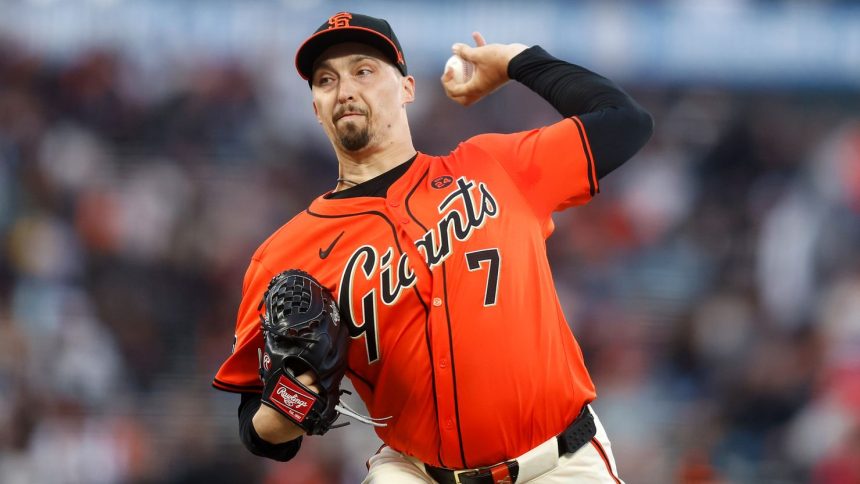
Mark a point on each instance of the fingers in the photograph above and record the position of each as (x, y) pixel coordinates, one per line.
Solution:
(461, 49)
(484, 80)
(307, 379)
(479, 39)
(447, 75)
(448, 82)
(460, 95)
(464, 50)
(454, 89)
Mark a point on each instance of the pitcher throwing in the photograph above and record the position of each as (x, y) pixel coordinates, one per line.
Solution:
(457, 344)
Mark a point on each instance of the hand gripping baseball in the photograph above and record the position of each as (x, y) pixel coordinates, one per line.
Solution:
(491, 69)
(302, 333)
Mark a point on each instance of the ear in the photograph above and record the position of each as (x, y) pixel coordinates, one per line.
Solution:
(407, 90)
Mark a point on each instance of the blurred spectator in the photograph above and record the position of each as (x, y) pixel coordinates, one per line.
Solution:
(714, 284)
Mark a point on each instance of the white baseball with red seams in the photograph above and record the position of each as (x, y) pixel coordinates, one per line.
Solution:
(462, 68)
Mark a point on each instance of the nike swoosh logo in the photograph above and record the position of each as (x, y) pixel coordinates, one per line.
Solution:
(325, 253)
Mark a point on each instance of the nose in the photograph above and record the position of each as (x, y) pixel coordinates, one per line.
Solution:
(345, 90)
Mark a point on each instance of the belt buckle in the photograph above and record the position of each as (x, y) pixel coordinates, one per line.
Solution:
(478, 472)
(466, 472)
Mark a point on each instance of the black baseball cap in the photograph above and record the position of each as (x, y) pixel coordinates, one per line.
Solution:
(349, 27)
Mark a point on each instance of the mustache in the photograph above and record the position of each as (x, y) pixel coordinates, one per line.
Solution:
(348, 109)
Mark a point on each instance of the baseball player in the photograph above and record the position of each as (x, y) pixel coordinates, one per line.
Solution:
(438, 266)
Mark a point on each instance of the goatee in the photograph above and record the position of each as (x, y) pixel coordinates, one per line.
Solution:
(353, 138)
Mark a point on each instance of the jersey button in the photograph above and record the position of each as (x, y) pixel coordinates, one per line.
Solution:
(437, 301)
(443, 363)
(393, 203)
(449, 424)
(404, 221)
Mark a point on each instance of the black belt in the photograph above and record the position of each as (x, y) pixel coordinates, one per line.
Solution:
(577, 434)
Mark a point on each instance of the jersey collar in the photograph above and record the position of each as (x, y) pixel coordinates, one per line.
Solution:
(356, 205)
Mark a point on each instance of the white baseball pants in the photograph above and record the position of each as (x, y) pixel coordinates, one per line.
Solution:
(592, 463)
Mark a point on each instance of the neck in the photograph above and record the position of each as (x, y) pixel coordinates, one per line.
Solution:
(358, 167)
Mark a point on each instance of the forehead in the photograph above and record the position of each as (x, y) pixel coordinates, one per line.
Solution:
(350, 52)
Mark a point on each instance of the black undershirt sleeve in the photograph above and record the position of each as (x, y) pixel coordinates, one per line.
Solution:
(616, 126)
(253, 442)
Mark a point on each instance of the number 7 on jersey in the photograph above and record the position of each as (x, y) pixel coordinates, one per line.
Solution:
(493, 260)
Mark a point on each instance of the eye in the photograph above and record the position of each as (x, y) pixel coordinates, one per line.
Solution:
(364, 71)
(324, 80)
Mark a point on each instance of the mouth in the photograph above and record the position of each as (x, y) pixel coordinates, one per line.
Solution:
(349, 112)
(347, 115)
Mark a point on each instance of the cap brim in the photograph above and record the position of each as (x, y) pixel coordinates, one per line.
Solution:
(316, 44)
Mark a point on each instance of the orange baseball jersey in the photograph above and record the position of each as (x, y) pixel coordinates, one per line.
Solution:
(457, 331)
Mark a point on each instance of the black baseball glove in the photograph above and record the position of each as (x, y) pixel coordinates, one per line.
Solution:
(302, 332)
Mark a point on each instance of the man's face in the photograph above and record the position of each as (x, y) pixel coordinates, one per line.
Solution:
(358, 95)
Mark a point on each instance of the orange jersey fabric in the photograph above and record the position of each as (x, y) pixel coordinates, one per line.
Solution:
(457, 332)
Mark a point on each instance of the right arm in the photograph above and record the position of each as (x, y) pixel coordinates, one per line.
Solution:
(263, 431)
(267, 433)
(281, 442)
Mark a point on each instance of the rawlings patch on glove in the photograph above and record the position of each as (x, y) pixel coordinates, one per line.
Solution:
(302, 332)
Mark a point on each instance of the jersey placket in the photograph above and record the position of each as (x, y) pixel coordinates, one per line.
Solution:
(452, 451)
(411, 229)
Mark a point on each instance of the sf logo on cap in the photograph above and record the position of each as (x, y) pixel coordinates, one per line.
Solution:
(340, 20)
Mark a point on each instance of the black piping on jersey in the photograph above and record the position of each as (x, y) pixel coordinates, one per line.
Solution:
(409, 196)
(393, 233)
(230, 387)
(426, 310)
(587, 151)
(432, 366)
(453, 370)
(415, 289)
(450, 333)
(369, 212)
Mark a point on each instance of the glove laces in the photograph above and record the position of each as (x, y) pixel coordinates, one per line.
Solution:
(345, 409)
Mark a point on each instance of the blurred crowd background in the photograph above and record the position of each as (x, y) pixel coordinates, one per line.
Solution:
(714, 284)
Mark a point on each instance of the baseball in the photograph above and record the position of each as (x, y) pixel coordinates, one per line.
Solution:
(462, 68)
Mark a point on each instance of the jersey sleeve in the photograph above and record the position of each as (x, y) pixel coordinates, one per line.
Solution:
(240, 372)
(552, 166)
